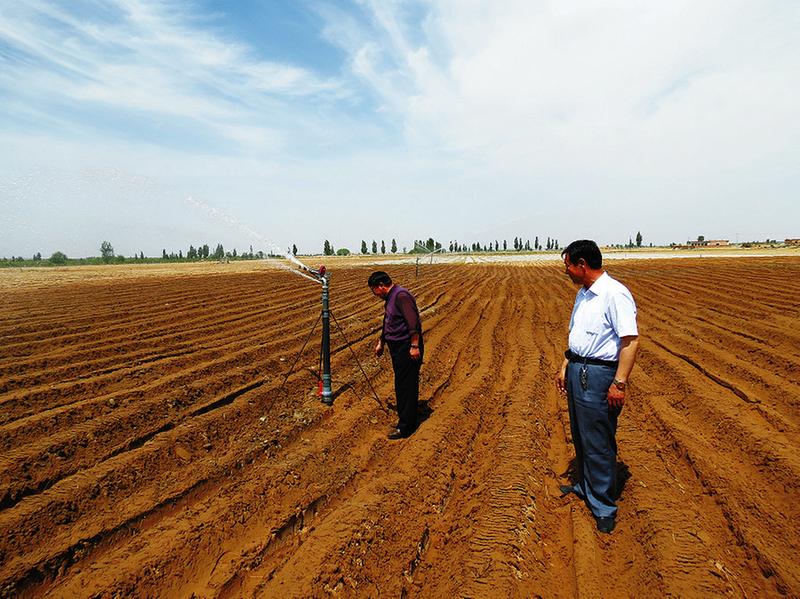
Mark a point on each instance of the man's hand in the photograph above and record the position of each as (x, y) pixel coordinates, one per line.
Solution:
(413, 353)
(561, 377)
(615, 397)
(379, 348)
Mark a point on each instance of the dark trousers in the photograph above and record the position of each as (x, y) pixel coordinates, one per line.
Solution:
(594, 426)
(406, 384)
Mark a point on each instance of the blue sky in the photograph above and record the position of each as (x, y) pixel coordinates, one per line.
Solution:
(156, 125)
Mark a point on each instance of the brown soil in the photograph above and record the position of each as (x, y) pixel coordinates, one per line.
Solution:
(148, 447)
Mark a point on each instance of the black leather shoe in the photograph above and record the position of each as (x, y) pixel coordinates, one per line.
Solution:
(605, 525)
(396, 434)
(566, 490)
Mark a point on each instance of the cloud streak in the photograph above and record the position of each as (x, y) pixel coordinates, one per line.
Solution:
(151, 60)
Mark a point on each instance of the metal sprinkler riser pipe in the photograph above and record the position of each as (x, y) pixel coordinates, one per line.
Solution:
(327, 394)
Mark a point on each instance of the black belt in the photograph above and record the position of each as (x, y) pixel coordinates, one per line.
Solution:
(572, 357)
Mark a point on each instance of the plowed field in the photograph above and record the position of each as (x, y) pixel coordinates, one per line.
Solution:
(148, 445)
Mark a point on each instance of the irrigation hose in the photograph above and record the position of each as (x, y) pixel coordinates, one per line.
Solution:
(366, 378)
(300, 353)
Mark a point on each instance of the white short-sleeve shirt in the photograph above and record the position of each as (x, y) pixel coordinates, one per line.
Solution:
(601, 316)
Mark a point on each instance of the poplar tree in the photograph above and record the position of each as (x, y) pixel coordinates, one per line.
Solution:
(107, 251)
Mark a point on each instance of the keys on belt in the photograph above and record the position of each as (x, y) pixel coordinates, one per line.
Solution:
(584, 377)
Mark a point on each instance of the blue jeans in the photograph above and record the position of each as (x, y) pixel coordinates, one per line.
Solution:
(594, 427)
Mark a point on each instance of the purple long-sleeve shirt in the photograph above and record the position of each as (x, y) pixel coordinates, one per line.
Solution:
(401, 316)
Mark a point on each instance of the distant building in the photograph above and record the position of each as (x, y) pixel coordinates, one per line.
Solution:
(791, 241)
(707, 242)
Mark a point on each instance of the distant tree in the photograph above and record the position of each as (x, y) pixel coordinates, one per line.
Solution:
(58, 258)
(141, 255)
(106, 251)
(394, 246)
(364, 249)
(180, 254)
(204, 251)
(326, 248)
(342, 252)
(701, 238)
(374, 247)
(294, 250)
(164, 255)
(555, 243)
(192, 253)
(233, 254)
(536, 243)
(219, 252)
(639, 239)
(37, 257)
(383, 247)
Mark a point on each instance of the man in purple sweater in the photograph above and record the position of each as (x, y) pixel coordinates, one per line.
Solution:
(402, 332)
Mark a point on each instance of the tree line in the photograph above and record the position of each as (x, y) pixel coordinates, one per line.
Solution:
(109, 256)
(431, 245)
(203, 251)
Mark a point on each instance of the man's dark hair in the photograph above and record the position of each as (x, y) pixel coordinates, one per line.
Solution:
(379, 278)
(586, 249)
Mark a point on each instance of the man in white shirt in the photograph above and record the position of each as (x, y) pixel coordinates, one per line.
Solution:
(603, 341)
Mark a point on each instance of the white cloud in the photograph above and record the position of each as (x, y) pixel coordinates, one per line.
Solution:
(584, 82)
